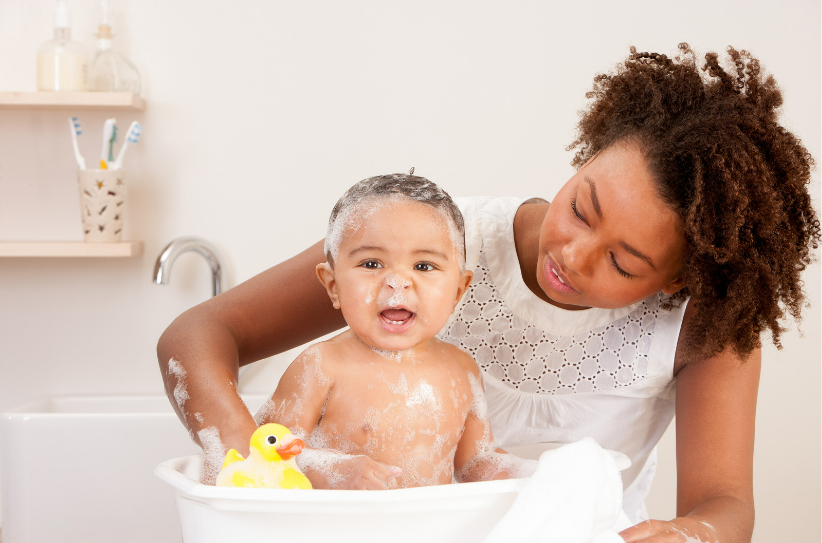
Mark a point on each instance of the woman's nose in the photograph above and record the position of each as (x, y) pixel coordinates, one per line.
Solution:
(579, 255)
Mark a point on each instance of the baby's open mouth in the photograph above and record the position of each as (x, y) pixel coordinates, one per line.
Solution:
(397, 320)
(396, 316)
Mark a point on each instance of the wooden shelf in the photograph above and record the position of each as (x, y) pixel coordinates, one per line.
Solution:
(69, 249)
(71, 100)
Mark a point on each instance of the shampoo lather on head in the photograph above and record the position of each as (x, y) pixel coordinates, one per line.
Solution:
(62, 63)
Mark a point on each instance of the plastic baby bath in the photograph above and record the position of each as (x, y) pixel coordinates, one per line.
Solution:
(455, 513)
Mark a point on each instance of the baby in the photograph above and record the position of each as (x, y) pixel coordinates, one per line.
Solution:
(387, 388)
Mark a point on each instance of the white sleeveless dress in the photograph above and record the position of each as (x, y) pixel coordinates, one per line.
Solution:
(553, 375)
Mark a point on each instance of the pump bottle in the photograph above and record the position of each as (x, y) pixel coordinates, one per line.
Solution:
(62, 62)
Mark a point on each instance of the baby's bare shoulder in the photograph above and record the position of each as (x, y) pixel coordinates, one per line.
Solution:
(458, 357)
(325, 355)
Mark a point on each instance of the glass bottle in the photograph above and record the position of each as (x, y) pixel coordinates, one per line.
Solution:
(109, 70)
(62, 62)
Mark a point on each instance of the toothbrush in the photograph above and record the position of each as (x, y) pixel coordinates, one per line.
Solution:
(133, 134)
(111, 144)
(74, 123)
(108, 135)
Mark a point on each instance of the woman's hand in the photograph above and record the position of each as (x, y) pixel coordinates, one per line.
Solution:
(330, 469)
(679, 530)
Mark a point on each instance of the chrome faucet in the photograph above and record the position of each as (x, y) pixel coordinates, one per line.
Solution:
(162, 268)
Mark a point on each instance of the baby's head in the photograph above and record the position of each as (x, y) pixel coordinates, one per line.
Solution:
(369, 195)
(396, 260)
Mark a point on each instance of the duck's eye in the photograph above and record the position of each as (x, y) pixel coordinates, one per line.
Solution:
(272, 440)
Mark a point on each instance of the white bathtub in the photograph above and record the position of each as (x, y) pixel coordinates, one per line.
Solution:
(79, 470)
(457, 513)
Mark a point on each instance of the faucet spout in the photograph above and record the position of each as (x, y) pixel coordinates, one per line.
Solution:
(162, 268)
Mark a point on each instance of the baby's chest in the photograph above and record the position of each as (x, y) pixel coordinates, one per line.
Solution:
(401, 405)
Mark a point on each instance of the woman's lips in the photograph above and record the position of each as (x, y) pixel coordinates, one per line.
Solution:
(396, 319)
(555, 278)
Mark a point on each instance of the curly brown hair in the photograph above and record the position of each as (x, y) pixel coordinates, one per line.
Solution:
(736, 178)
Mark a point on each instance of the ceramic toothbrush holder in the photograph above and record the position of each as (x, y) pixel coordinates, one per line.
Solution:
(102, 204)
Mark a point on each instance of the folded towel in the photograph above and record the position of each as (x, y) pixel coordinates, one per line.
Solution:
(575, 496)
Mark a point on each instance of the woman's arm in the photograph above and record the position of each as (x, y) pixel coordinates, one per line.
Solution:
(715, 414)
(277, 310)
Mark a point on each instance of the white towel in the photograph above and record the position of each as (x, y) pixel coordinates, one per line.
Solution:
(575, 496)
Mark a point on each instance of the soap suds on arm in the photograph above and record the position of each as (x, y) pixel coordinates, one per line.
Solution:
(176, 370)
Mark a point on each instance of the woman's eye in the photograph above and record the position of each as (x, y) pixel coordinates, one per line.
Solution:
(574, 208)
(371, 265)
(622, 272)
(424, 266)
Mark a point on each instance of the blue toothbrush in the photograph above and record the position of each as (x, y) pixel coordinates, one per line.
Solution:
(134, 131)
(74, 123)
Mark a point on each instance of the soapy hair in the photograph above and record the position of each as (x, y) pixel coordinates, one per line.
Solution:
(736, 178)
(348, 210)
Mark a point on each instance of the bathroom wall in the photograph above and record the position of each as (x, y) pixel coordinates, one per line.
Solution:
(261, 113)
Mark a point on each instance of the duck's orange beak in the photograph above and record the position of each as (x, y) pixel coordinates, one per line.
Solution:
(291, 449)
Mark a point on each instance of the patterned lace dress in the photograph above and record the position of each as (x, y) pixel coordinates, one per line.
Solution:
(553, 375)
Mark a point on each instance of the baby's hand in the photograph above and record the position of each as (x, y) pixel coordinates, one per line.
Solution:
(335, 470)
(362, 473)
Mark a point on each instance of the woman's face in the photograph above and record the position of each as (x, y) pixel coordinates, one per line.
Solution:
(608, 239)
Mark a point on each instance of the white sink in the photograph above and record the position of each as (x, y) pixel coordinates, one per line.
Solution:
(79, 469)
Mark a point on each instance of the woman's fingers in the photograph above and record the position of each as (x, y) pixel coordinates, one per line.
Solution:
(659, 531)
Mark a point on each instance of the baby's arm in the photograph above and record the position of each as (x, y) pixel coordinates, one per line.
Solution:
(478, 458)
(298, 404)
(301, 393)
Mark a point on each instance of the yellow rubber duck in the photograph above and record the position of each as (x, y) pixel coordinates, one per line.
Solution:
(270, 464)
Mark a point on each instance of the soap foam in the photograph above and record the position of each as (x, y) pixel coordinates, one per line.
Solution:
(372, 290)
(424, 398)
(326, 462)
(312, 375)
(266, 412)
(356, 207)
(689, 536)
(353, 216)
(398, 286)
(176, 370)
(396, 356)
(410, 424)
(213, 454)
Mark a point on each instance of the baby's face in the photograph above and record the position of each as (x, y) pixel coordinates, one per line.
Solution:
(397, 276)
